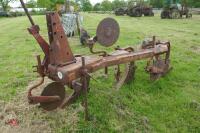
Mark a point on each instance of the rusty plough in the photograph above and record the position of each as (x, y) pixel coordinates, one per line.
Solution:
(66, 69)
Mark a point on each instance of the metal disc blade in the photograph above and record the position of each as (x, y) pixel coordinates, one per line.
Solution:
(108, 32)
(53, 89)
(124, 74)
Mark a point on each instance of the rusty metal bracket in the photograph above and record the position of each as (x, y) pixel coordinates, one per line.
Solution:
(84, 87)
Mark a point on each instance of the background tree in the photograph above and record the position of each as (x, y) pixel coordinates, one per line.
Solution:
(5, 4)
(106, 5)
(191, 3)
(157, 3)
(45, 4)
(196, 3)
(118, 3)
(86, 5)
(75, 5)
(55, 2)
(97, 7)
(31, 4)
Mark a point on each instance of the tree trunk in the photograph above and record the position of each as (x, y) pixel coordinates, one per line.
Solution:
(4, 6)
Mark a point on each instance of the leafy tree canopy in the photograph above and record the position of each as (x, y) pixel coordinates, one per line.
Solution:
(106, 5)
(119, 3)
(5, 4)
(86, 5)
(97, 7)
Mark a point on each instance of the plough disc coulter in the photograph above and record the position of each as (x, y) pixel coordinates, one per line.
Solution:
(66, 69)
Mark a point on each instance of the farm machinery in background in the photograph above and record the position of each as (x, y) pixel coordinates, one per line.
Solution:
(135, 9)
(67, 69)
(71, 19)
(174, 10)
(121, 11)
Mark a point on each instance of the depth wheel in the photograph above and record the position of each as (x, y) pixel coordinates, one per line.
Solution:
(53, 89)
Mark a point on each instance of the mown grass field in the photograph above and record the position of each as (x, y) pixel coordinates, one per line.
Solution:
(171, 104)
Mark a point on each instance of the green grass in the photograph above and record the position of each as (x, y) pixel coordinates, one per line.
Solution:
(171, 104)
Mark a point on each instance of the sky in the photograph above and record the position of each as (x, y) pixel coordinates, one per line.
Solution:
(17, 4)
